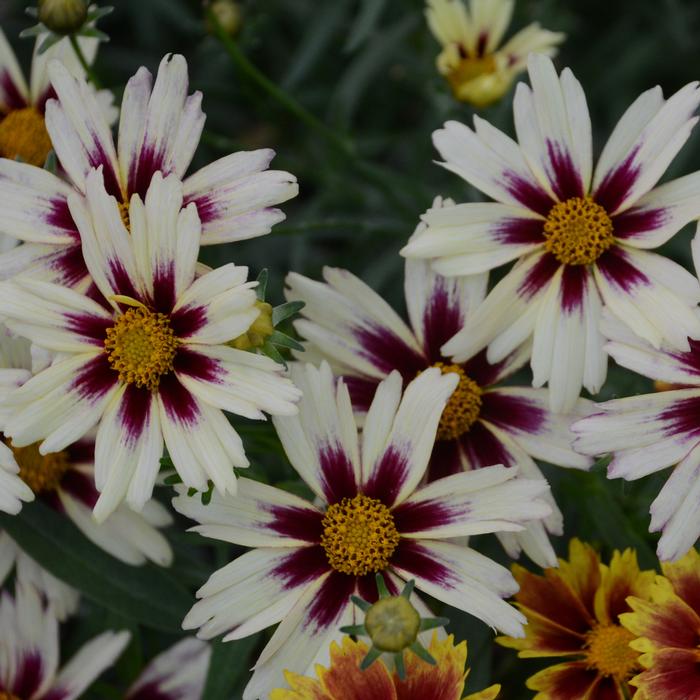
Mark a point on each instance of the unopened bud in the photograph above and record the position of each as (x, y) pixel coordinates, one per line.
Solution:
(392, 624)
(63, 16)
(260, 330)
(228, 15)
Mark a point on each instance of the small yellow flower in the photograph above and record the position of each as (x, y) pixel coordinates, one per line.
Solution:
(476, 69)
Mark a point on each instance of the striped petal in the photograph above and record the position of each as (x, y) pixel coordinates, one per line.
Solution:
(14, 93)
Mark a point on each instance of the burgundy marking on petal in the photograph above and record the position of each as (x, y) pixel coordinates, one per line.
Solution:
(426, 515)
(179, 404)
(617, 183)
(81, 487)
(69, 265)
(442, 319)
(481, 42)
(81, 451)
(53, 501)
(95, 378)
(567, 179)
(301, 566)
(297, 523)
(513, 412)
(337, 475)
(387, 352)
(208, 207)
(194, 364)
(59, 216)
(330, 601)
(691, 359)
(615, 265)
(97, 158)
(187, 321)
(121, 281)
(538, 277)
(12, 95)
(142, 169)
(573, 288)
(482, 371)
(483, 449)
(633, 222)
(683, 416)
(164, 288)
(152, 691)
(91, 328)
(388, 476)
(445, 459)
(529, 194)
(367, 587)
(362, 391)
(417, 559)
(135, 413)
(519, 231)
(29, 674)
(48, 94)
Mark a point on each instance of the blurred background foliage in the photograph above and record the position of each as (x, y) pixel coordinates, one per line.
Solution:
(366, 70)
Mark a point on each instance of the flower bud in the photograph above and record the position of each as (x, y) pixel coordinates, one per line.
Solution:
(392, 624)
(63, 16)
(260, 330)
(228, 14)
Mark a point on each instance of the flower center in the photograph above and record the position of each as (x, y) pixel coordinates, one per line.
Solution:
(392, 623)
(578, 231)
(463, 407)
(469, 68)
(6, 695)
(141, 346)
(42, 473)
(124, 213)
(23, 135)
(359, 535)
(608, 651)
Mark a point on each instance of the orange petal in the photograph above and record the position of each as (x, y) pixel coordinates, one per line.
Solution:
(684, 575)
(568, 681)
(674, 673)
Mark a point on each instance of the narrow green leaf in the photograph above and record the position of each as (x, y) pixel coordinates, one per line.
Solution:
(284, 311)
(273, 353)
(146, 594)
(229, 661)
(261, 289)
(285, 341)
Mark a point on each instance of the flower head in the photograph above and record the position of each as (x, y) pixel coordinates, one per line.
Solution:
(309, 559)
(668, 629)
(63, 16)
(477, 70)
(573, 612)
(148, 361)
(580, 236)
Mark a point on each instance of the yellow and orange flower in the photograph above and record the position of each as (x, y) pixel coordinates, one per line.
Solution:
(574, 612)
(668, 627)
(344, 680)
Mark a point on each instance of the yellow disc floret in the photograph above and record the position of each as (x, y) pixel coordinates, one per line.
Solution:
(578, 231)
(392, 623)
(124, 214)
(141, 346)
(42, 473)
(463, 407)
(608, 651)
(23, 135)
(359, 535)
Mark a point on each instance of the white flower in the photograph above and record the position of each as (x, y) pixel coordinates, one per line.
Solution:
(371, 517)
(580, 237)
(29, 651)
(159, 129)
(149, 362)
(477, 69)
(179, 673)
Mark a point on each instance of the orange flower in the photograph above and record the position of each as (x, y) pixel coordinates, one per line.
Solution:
(574, 612)
(345, 681)
(669, 629)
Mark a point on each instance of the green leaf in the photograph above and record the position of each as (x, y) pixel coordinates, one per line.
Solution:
(146, 594)
(285, 341)
(284, 311)
(229, 661)
(261, 289)
(273, 353)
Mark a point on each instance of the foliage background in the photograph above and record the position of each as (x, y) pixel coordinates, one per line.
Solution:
(365, 68)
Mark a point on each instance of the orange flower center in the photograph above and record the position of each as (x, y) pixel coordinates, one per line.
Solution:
(578, 231)
(608, 651)
(359, 535)
(141, 346)
(23, 135)
(42, 473)
(463, 407)
(124, 213)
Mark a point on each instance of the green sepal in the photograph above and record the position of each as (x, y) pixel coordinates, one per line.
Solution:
(430, 623)
(285, 341)
(284, 311)
(32, 11)
(206, 495)
(99, 13)
(400, 666)
(361, 603)
(93, 33)
(421, 652)
(51, 40)
(408, 589)
(273, 353)
(172, 480)
(354, 629)
(191, 491)
(51, 162)
(372, 655)
(261, 289)
(31, 32)
(381, 586)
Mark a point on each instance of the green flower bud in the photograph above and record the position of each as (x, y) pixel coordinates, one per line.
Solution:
(228, 14)
(63, 16)
(392, 624)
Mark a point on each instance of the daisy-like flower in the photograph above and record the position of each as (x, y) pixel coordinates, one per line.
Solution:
(23, 133)
(580, 237)
(159, 129)
(309, 559)
(179, 673)
(149, 364)
(651, 432)
(668, 627)
(477, 70)
(344, 678)
(484, 423)
(573, 613)
(29, 652)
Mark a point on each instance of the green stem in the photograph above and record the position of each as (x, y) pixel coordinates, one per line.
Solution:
(83, 61)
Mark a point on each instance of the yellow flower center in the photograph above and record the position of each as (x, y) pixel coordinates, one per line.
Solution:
(23, 135)
(359, 535)
(5, 695)
(578, 231)
(141, 346)
(470, 68)
(463, 407)
(608, 651)
(392, 623)
(124, 213)
(259, 332)
(42, 473)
